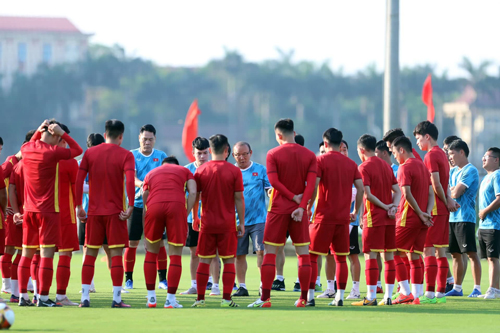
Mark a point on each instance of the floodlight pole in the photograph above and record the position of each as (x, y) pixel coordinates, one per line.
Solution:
(391, 75)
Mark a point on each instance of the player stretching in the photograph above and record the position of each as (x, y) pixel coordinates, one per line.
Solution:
(106, 165)
(413, 217)
(381, 199)
(164, 195)
(289, 167)
(221, 187)
(146, 159)
(41, 219)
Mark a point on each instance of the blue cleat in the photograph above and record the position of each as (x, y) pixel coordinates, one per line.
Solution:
(163, 285)
(209, 286)
(129, 284)
(475, 293)
(453, 292)
(235, 287)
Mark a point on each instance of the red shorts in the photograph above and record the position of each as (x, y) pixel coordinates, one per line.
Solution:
(410, 239)
(69, 238)
(278, 224)
(169, 215)
(209, 245)
(329, 236)
(13, 233)
(2, 241)
(439, 234)
(110, 226)
(379, 239)
(41, 230)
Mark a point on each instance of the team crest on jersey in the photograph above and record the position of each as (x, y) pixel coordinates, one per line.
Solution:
(255, 174)
(155, 160)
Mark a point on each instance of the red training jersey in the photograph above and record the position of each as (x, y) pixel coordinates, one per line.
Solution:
(436, 161)
(379, 176)
(218, 181)
(108, 165)
(167, 183)
(337, 173)
(291, 170)
(41, 174)
(414, 174)
(67, 179)
(17, 179)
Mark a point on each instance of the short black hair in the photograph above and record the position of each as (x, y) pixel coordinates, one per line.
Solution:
(426, 127)
(346, 144)
(218, 143)
(368, 142)
(285, 126)
(392, 134)
(94, 139)
(200, 143)
(459, 145)
(114, 128)
(321, 144)
(228, 151)
(51, 122)
(495, 151)
(403, 142)
(243, 143)
(148, 128)
(382, 146)
(1, 141)
(299, 139)
(333, 136)
(28, 136)
(170, 160)
(449, 139)
(65, 128)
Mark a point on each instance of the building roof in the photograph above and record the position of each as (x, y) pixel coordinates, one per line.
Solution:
(40, 24)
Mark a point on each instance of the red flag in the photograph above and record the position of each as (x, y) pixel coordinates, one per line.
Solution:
(190, 131)
(427, 98)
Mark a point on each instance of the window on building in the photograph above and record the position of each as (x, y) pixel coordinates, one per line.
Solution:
(47, 53)
(72, 51)
(22, 51)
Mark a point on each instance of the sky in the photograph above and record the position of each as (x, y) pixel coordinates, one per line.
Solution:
(346, 34)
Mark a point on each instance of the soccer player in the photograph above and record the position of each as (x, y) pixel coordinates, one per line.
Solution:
(255, 184)
(106, 165)
(446, 144)
(438, 234)
(381, 199)
(146, 159)
(329, 229)
(299, 139)
(221, 186)
(489, 214)
(382, 151)
(391, 135)
(413, 217)
(464, 183)
(41, 224)
(165, 206)
(291, 169)
(3, 203)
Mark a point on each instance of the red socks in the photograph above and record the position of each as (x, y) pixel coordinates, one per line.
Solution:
(130, 253)
(267, 273)
(417, 274)
(88, 269)
(34, 268)
(390, 272)
(46, 273)
(304, 275)
(202, 275)
(442, 273)
(228, 276)
(407, 265)
(371, 272)
(6, 265)
(23, 272)
(63, 274)
(174, 274)
(431, 271)
(314, 270)
(162, 259)
(117, 271)
(150, 270)
(401, 273)
(342, 272)
(15, 265)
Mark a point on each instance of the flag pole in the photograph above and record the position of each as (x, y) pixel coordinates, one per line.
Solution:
(391, 75)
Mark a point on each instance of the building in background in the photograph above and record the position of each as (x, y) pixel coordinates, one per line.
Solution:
(27, 42)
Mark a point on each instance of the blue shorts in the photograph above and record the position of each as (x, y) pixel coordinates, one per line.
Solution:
(256, 233)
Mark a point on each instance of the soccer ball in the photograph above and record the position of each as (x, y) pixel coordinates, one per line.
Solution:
(6, 316)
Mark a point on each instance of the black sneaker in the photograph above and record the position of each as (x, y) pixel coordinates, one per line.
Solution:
(241, 292)
(25, 302)
(209, 286)
(119, 305)
(311, 303)
(337, 303)
(449, 286)
(388, 301)
(278, 285)
(85, 304)
(296, 286)
(48, 304)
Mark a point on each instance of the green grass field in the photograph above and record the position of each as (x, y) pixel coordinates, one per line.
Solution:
(458, 314)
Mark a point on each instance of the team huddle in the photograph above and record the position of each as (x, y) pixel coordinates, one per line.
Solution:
(409, 215)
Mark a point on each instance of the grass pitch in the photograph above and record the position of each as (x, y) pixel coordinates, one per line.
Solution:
(458, 314)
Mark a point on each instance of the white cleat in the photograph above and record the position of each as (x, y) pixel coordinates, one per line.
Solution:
(490, 294)
(215, 292)
(190, 291)
(328, 293)
(353, 295)
(66, 302)
(173, 305)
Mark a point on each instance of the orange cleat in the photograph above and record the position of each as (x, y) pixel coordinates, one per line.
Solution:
(416, 301)
(301, 303)
(380, 290)
(402, 299)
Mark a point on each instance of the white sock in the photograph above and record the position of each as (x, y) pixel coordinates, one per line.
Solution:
(215, 285)
(92, 286)
(430, 294)
(379, 284)
(457, 287)
(25, 296)
(151, 293)
(30, 284)
(117, 294)
(35, 289)
(404, 287)
(330, 284)
(14, 286)
(355, 286)
(210, 279)
(193, 283)
(6, 283)
(310, 295)
(171, 298)
(243, 285)
(389, 289)
(85, 292)
(59, 297)
(44, 298)
(318, 280)
(340, 295)
(280, 277)
(298, 281)
(477, 287)
(414, 290)
(439, 295)
(450, 280)
(371, 293)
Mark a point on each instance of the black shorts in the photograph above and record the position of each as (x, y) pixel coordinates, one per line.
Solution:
(81, 234)
(462, 237)
(192, 238)
(354, 241)
(489, 243)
